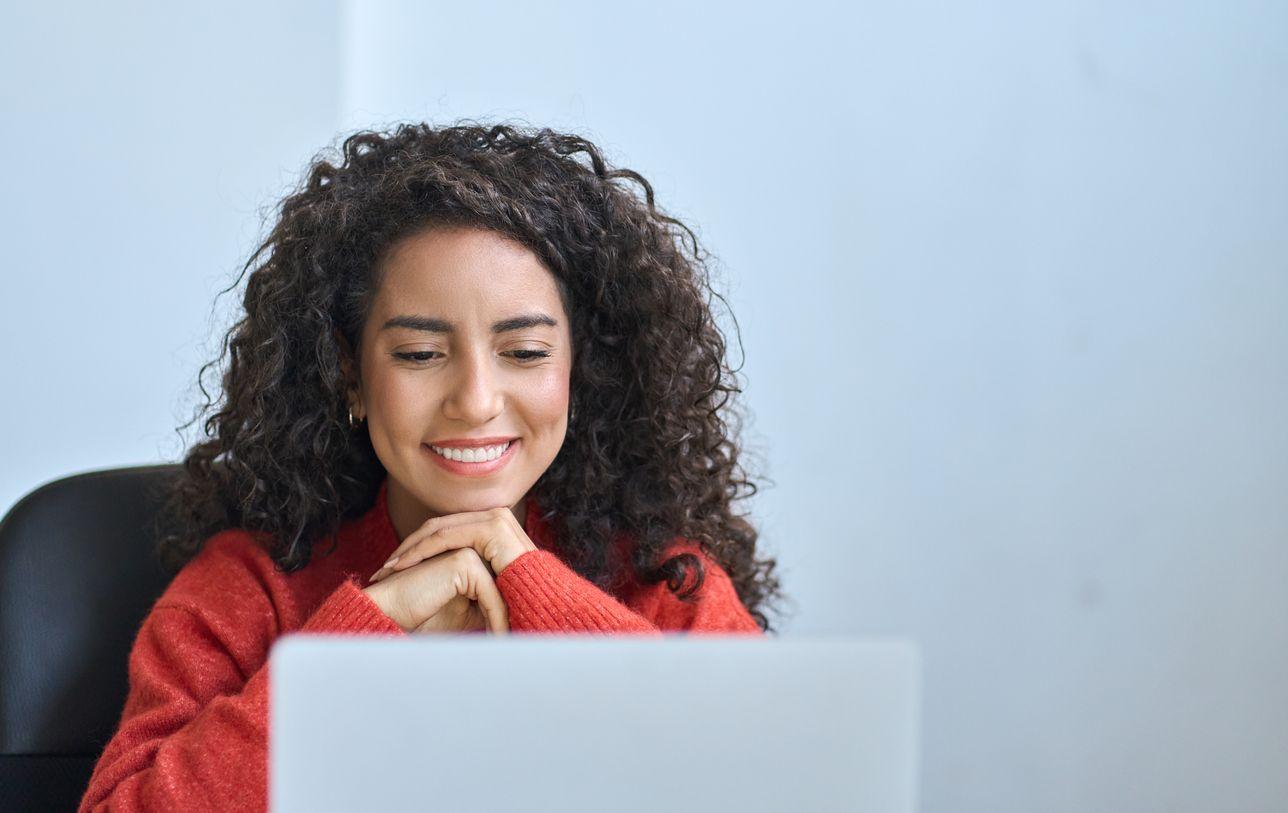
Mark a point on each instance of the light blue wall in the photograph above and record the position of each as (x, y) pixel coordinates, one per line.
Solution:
(139, 142)
(1011, 280)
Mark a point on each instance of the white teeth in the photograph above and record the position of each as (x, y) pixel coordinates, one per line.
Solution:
(472, 455)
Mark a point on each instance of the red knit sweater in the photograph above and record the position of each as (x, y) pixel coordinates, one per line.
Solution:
(194, 731)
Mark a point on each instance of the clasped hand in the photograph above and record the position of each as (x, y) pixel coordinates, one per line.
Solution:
(442, 577)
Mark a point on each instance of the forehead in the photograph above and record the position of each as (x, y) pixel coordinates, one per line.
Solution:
(459, 272)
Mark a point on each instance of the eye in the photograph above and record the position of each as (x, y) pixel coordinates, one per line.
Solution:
(522, 355)
(419, 355)
(530, 355)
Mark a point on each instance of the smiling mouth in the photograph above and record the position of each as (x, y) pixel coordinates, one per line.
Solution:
(473, 454)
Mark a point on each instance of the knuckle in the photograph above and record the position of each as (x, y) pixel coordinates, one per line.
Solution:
(461, 583)
(466, 556)
(480, 570)
(476, 563)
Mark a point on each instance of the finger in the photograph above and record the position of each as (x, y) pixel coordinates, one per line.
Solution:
(487, 536)
(492, 604)
(466, 621)
(416, 537)
(449, 617)
(478, 621)
(433, 524)
(427, 548)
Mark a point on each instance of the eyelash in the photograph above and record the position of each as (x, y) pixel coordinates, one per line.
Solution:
(523, 356)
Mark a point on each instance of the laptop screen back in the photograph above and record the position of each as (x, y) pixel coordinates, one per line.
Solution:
(595, 723)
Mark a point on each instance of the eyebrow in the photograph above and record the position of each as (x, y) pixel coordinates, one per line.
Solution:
(430, 324)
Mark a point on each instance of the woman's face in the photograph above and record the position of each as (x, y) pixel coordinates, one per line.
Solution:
(467, 347)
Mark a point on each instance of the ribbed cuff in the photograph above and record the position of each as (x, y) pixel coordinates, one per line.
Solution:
(348, 609)
(545, 595)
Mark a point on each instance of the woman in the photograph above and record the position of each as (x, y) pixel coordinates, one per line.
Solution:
(486, 379)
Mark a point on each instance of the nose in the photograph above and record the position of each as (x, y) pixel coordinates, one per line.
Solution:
(473, 396)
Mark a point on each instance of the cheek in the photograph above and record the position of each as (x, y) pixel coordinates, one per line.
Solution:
(402, 402)
(545, 397)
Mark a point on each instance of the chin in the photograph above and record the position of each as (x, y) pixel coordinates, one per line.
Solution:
(482, 501)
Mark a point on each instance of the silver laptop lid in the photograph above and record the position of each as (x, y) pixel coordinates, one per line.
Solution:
(592, 723)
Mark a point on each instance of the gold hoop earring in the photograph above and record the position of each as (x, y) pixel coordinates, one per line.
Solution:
(353, 424)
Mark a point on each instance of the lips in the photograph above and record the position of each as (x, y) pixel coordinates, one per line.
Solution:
(472, 454)
(463, 468)
(472, 443)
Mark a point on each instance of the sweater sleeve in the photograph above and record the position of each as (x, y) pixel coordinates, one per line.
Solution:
(194, 731)
(543, 594)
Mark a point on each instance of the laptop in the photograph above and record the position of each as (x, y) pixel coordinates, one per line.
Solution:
(576, 722)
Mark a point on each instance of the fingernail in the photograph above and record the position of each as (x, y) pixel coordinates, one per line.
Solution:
(391, 562)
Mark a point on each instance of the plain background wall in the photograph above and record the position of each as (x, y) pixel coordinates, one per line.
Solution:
(1011, 282)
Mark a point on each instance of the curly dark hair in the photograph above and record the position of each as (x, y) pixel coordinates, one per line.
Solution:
(652, 450)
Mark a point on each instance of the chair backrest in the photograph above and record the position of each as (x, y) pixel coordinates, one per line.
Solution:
(77, 577)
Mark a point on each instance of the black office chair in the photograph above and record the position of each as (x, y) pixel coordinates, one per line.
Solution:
(77, 577)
